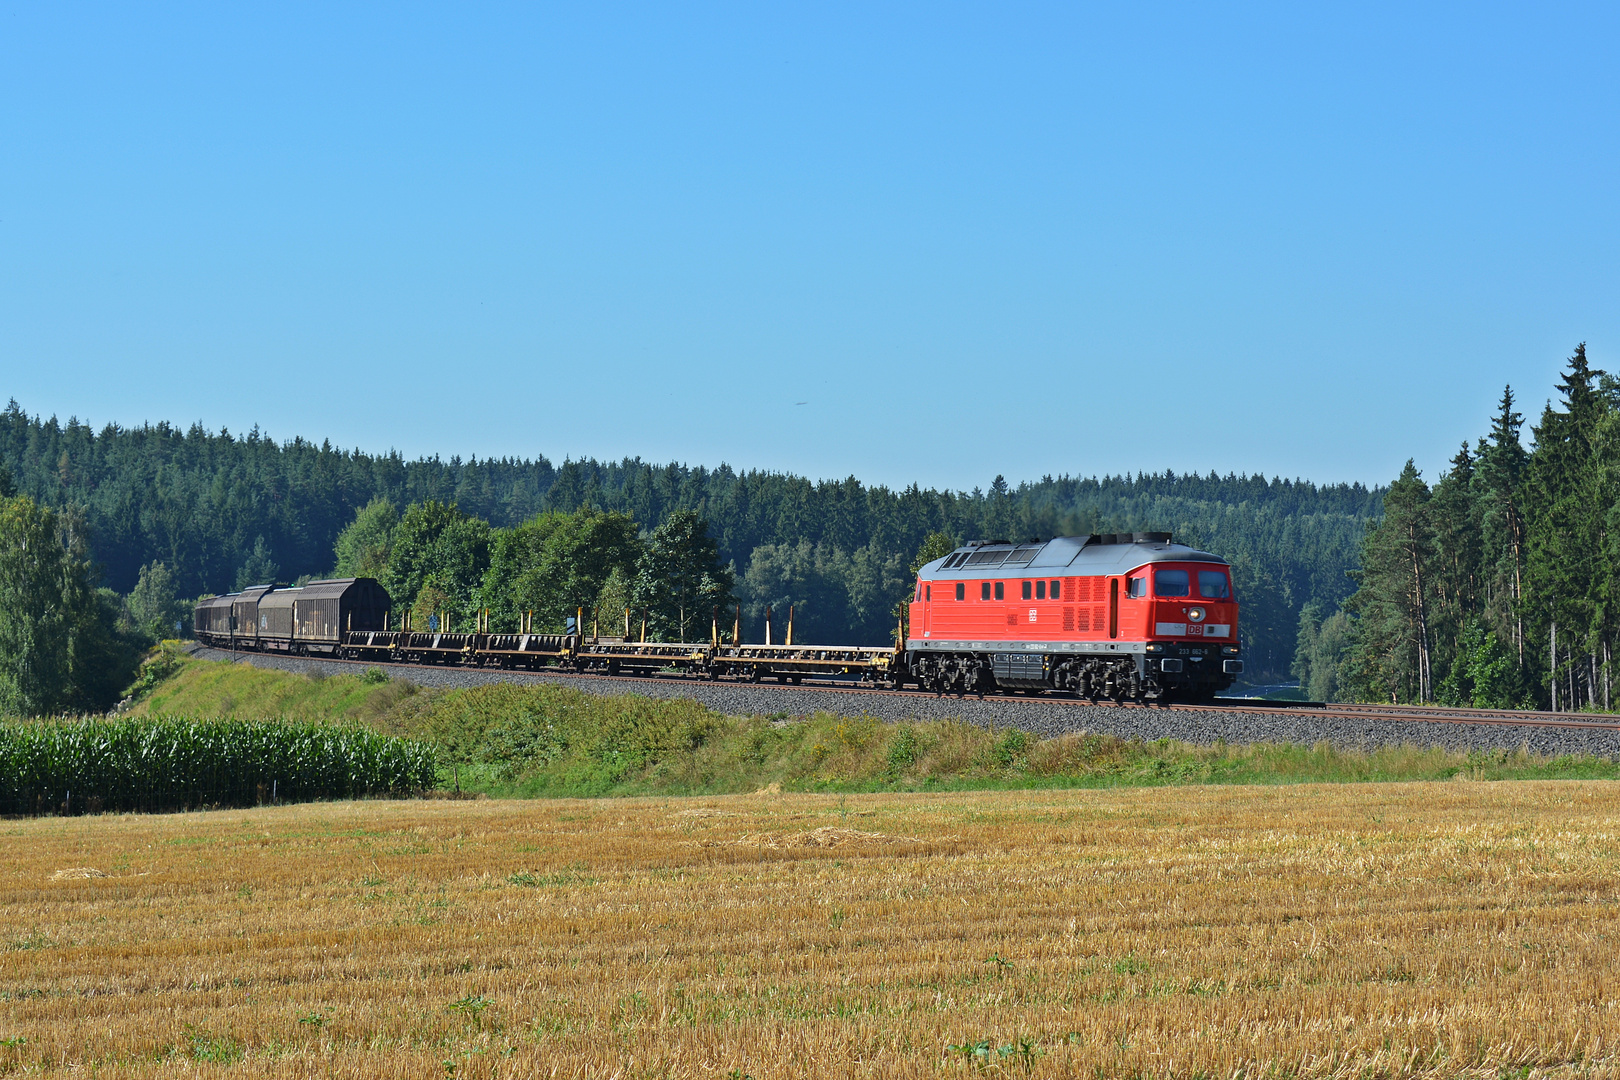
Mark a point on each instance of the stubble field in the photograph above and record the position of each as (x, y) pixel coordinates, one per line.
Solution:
(1415, 929)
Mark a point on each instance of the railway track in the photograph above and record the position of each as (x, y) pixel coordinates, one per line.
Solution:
(834, 688)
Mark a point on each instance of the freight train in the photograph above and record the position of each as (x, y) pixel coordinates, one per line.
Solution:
(1123, 617)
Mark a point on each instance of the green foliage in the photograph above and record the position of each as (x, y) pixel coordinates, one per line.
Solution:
(153, 606)
(35, 630)
(1465, 588)
(1320, 653)
(1012, 749)
(60, 648)
(200, 502)
(168, 763)
(936, 545)
(558, 563)
(219, 1050)
(558, 742)
(363, 547)
(1392, 656)
(439, 549)
(1485, 675)
(258, 568)
(904, 749)
(554, 740)
(680, 582)
(158, 667)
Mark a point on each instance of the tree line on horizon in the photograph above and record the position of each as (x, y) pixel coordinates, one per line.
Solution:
(1499, 585)
(208, 512)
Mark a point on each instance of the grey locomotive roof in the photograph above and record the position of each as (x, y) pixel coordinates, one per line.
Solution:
(1075, 556)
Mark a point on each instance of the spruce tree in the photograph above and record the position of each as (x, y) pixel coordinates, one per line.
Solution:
(1502, 461)
(1564, 537)
(1391, 658)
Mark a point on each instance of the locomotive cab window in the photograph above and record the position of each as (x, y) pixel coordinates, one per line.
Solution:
(928, 592)
(998, 591)
(961, 591)
(1026, 590)
(1040, 590)
(1136, 586)
(1170, 583)
(1212, 585)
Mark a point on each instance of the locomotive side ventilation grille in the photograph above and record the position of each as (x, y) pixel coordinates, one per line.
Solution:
(1068, 617)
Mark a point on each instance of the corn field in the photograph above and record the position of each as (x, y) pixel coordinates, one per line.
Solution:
(174, 763)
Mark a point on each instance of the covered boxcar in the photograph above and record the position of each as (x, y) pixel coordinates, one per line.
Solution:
(212, 619)
(245, 615)
(314, 617)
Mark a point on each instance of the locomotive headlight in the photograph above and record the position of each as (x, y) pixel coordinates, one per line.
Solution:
(1195, 614)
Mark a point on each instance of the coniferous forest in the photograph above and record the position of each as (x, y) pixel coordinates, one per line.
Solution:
(1499, 585)
(208, 512)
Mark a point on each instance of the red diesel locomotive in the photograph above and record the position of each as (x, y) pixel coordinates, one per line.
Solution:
(1129, 616)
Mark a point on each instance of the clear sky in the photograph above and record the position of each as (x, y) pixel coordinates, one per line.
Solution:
(933, 242)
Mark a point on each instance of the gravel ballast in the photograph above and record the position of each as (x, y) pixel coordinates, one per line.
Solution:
(1043, 717)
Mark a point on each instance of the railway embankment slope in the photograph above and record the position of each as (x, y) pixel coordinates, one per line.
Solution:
(518, 733)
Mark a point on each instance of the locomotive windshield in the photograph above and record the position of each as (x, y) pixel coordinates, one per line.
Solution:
(1170, 582)
(1212, 585)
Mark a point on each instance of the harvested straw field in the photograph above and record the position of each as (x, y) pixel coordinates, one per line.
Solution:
(1333, 930)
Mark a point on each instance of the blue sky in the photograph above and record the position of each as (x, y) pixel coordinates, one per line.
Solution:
(970, 239)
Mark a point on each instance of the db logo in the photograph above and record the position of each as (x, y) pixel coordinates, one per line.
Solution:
(1031, 614)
